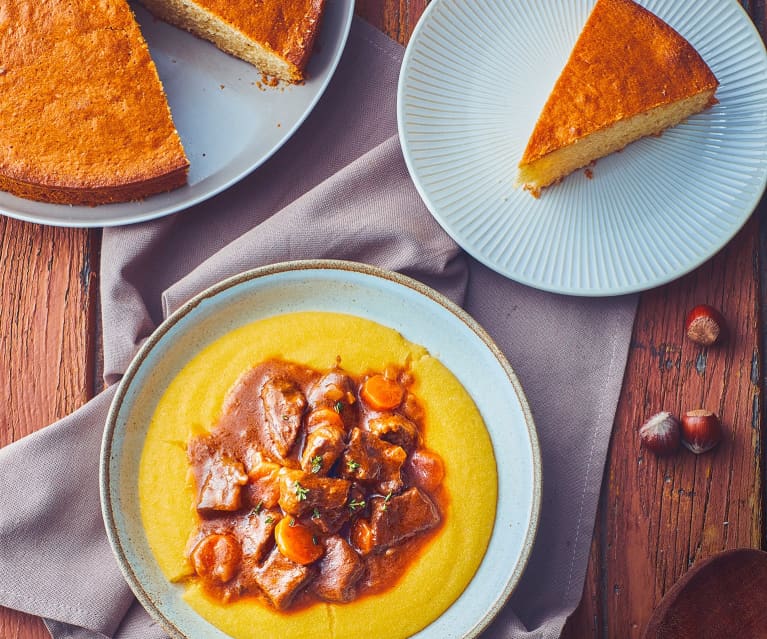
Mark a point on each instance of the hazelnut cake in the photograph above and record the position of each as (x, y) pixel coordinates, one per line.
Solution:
(83, 116)
(84, 119)
(629, 75)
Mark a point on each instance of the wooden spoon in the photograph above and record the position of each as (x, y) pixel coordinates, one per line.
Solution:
(723, 597)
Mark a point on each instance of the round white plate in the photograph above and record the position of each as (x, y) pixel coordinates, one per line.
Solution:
(420, 315)
(229, 122)
(474, 79)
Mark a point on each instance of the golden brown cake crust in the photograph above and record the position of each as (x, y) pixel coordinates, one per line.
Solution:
(625, 62)
(83, 117)
(286, 27)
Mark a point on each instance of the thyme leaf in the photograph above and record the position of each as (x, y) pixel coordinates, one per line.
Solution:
(301, 492)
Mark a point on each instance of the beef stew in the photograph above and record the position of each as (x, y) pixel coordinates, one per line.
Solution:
(313, 486)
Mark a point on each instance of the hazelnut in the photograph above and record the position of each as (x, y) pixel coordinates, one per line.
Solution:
(661, 433)
(701, 430)
(705, 325)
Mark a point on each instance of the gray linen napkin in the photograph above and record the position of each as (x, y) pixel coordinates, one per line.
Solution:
(338, 189)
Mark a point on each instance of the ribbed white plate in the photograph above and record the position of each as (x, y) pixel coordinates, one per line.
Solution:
(474, 79)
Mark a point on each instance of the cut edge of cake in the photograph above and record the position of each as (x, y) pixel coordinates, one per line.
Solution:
(557, 165)
(191, 16)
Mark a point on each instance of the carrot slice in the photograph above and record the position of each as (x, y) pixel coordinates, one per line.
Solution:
(296, 542)
(382, 393)
(362, 536)
(216, 557)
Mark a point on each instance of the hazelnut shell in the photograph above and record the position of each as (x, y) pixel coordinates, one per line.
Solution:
(701, 430)
(705, 325)
(661, 433)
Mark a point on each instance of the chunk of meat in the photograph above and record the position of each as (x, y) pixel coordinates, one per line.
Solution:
(329, 521)
(322, 448)
(281, 579)
(395, 519)
(216, 557)
(324, 417)
(339, 571)
(371, 460)
(284, 405)
(412, 409)
(425, 469)
(220, 484)
(396, 429)
(263, 486)
(255, 531)
(301, 493)
(333, 387)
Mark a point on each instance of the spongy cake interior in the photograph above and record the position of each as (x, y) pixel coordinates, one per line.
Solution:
(275, 37)
(582, 152)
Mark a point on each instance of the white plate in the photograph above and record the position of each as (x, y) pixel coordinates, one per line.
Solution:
(420, 315)
(228, 121)
(473, 81)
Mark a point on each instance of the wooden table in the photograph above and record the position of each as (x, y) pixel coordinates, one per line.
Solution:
(656, 518)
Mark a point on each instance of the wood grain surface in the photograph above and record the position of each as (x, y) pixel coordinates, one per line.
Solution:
(47, 329)
(656, 517)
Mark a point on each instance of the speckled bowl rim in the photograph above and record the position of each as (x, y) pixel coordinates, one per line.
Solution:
(105, 475)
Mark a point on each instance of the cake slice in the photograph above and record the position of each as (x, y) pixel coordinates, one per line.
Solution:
(83, 116)
(629, 75)
(276, 36)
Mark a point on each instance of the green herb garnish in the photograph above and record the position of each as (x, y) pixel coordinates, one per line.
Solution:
(301, 492)
(355, 504)
(316, 464)
(352, 465)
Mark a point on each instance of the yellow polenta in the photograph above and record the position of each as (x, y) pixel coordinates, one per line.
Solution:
(453, 428)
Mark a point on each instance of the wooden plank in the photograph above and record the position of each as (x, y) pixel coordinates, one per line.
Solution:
(46, 318)
(17, 625)
(659, 516)
(396, 18)
(47, 286)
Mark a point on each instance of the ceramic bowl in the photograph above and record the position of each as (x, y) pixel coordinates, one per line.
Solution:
(422, 316)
